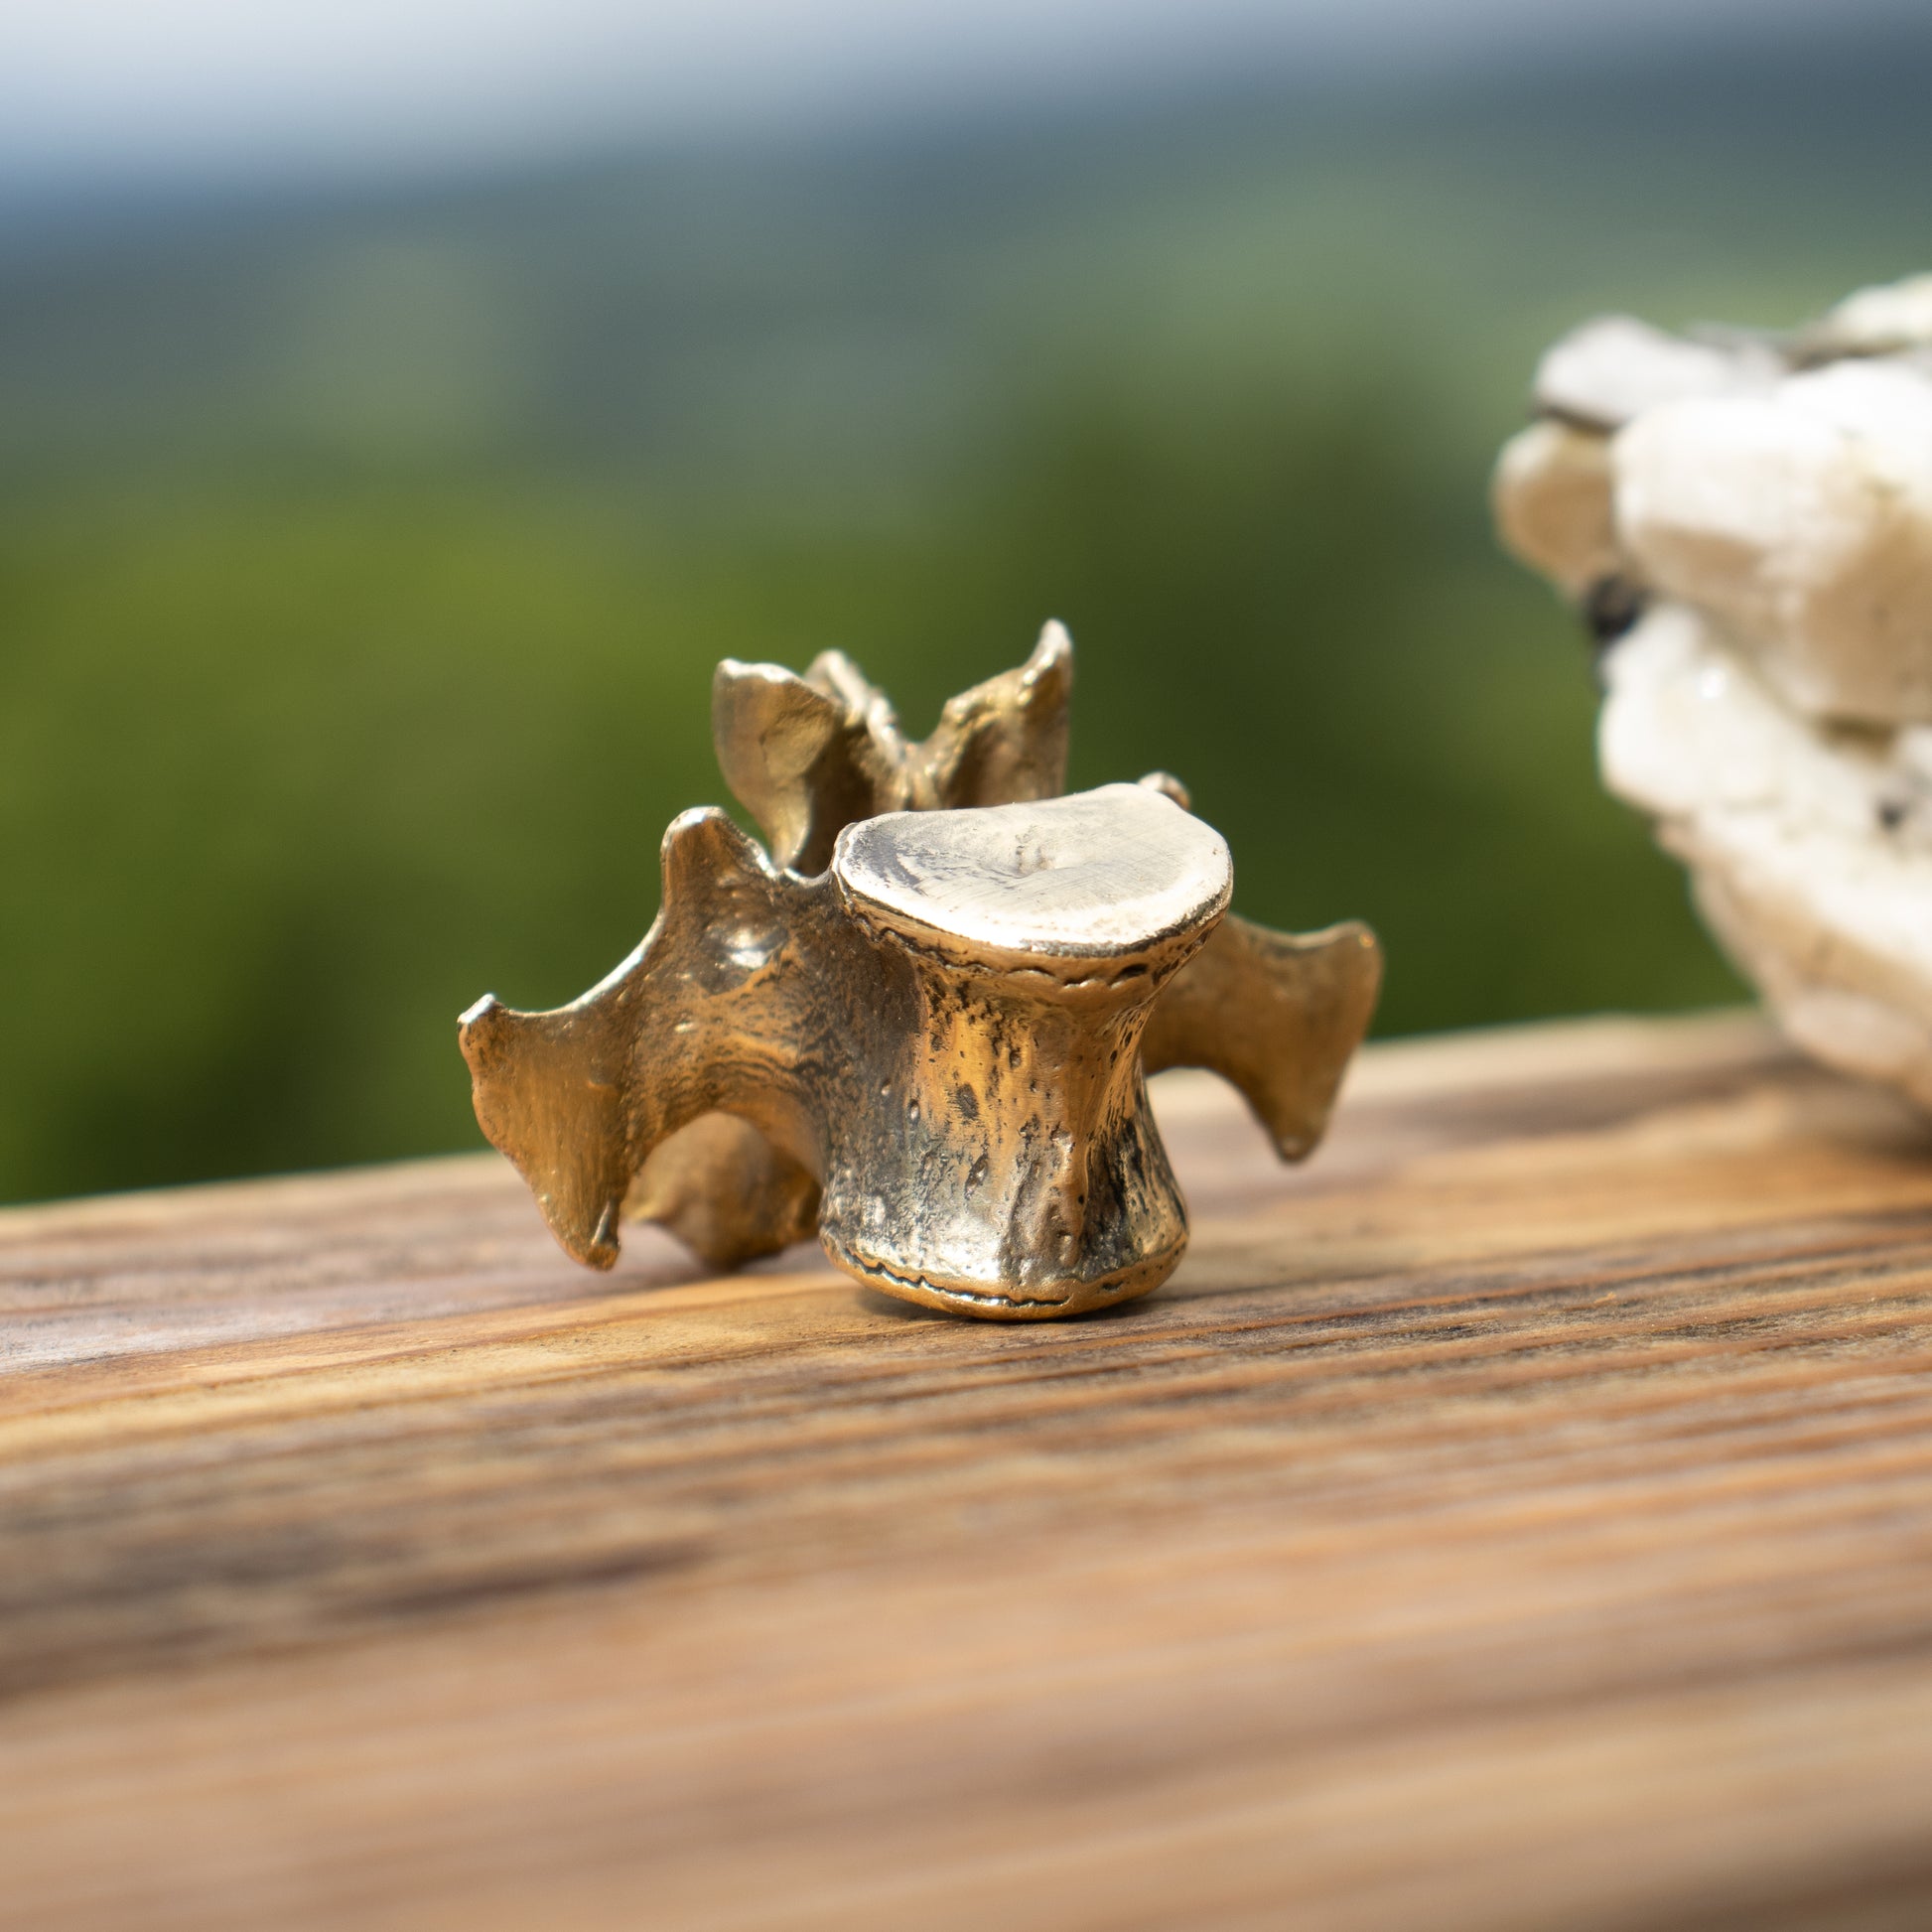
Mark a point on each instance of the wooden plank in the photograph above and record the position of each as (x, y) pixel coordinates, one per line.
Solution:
(1520, 1517)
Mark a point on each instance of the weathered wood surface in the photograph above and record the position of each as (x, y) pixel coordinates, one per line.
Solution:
(1520, 1517)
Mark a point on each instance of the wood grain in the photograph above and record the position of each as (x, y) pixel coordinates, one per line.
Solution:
(1520, 1517)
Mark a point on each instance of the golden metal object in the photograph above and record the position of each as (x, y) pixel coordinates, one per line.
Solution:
(946, 1028)
(1277, 1015)
(809, 755)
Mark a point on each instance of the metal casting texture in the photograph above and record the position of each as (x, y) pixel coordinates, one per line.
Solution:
(943, 1029)
(1277, 1013)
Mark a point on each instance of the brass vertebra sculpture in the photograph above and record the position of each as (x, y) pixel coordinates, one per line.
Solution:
(925, 1029)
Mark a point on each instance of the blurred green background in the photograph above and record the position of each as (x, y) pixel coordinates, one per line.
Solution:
(364, 555)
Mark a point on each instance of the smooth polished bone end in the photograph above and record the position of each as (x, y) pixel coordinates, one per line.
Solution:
(1008, 1164)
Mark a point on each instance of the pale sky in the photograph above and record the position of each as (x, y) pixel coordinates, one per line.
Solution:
(230, 86)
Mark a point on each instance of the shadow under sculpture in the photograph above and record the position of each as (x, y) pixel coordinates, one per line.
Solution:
(930, 1046)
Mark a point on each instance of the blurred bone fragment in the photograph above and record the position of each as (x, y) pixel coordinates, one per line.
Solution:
(1771, 518)
(1552, 500)
(1891, 319)
(1609, 372)
(1802, 522)
(1810, 851)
